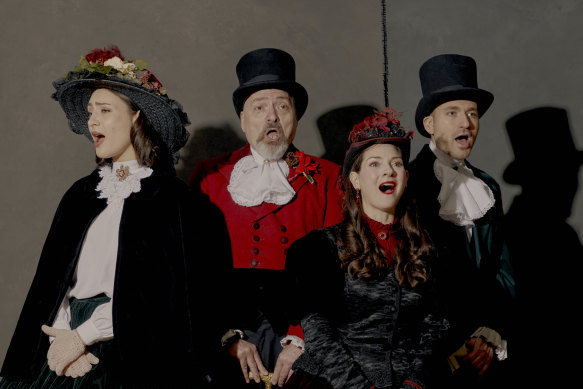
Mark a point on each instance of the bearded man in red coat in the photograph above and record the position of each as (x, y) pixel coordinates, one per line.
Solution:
(271, 194)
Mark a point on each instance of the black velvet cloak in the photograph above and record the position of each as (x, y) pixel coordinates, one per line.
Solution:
(170, 242)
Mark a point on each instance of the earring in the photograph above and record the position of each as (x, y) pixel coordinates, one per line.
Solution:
(357, 197)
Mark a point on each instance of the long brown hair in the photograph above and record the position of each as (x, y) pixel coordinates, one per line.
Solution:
(146, 142)
(362, 256)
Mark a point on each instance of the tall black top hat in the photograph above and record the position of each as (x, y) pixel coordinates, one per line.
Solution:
(527, 129)
(268, 69)
(445, 78)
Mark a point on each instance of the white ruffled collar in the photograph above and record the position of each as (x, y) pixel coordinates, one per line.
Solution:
(255, 180)
(120, 180)
(463, 197)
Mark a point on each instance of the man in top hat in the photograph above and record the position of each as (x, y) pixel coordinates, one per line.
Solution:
(271, 194)
(461, 207)
(545, 250)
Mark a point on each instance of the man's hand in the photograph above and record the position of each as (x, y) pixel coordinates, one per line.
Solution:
(481, 354)
(283, 366)
(249, 359)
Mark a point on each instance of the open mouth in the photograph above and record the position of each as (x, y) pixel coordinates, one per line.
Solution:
(97, 138)
(272, 134)
(463, 140)
(388, 187)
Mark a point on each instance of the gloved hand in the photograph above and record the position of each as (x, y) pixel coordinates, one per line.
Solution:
(81, 365)
(66, 348)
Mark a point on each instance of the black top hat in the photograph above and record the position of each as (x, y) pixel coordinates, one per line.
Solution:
(108, 69)
(268, 69)
(381, 127)
(527, 129)
(445, 78)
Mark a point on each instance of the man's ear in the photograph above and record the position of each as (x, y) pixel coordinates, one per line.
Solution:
(428, 124)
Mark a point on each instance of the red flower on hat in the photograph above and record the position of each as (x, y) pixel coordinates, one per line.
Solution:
(302, 164)
(373, 125)
(102, 55)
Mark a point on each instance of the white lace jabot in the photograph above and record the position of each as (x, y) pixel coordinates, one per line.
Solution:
(255, 180)
(463, 197)
(121, 180)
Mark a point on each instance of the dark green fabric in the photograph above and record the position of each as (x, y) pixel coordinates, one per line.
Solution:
(81, 310)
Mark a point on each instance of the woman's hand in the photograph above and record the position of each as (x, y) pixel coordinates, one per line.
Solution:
(81, 365)
(66, 348)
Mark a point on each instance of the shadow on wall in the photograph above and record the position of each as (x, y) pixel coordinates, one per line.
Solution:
(204, 143)
(334, 127)
(545, 250)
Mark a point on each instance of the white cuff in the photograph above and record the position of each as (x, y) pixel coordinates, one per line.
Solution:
(88, 332)
(292, 339)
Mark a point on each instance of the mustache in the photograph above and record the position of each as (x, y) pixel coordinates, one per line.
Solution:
(269, 127)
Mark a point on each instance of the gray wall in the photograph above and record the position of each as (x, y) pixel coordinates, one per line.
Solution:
(528, 53)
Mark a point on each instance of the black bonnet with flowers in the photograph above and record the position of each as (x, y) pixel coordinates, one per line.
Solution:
(107, 68)
(381, 127)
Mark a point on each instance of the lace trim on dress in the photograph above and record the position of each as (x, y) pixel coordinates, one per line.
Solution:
(112, 188)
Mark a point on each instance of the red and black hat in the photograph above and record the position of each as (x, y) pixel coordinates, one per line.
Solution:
(381, 127)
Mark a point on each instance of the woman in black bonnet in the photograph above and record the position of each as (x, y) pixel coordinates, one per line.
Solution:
(113, 300)
(365, 312)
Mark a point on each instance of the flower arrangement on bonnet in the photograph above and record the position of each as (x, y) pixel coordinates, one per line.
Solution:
(110, 62)
(384, 123)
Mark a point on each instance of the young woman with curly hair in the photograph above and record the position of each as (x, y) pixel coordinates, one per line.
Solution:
(362, 284)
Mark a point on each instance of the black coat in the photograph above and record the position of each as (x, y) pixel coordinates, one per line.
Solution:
(168, 243)
(358, 332)
(475, 278)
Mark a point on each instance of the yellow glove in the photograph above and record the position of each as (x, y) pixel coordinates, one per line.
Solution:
(81, 365)
(66, 348)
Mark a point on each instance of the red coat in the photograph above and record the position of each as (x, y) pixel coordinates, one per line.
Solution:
(261, 235)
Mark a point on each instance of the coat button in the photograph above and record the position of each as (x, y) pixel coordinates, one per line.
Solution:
(254, 262)
(283, 240)
(256, 225)
(283, 228)
(256, 238)
(254, 251)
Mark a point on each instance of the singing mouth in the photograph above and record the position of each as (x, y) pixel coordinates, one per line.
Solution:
(463, 140)
(97, 138)
(272, 134)
(388, 187)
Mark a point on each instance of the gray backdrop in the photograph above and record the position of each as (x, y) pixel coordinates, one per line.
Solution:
(528, 53)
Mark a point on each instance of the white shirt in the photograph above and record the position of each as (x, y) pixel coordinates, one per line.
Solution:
(95, 271)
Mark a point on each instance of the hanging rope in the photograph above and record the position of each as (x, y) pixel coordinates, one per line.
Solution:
(385, 54)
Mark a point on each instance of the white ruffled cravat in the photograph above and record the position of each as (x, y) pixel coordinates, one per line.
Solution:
(463, 197)
(255, 180)
(113, 188)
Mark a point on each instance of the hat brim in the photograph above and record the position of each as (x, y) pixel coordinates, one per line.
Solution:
(427, 104)
(295, 89)
(355, 149)
(163, 113)
(517, 173)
